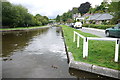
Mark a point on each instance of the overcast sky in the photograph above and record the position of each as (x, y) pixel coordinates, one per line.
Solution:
(52, 8)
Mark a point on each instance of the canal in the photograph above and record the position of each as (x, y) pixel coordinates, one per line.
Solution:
(38, 53)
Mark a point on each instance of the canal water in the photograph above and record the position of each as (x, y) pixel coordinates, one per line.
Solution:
(38, 53)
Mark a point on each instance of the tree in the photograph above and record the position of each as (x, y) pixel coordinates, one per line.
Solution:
(6, 12)
(66, 16)
(17, 15)
(58, 18)
(29, 20)
(38, 19)
(92, 10)
(21, 14)
(114, 7)
(75, 10)
(84, 8)
(41, 20)
(102, 8)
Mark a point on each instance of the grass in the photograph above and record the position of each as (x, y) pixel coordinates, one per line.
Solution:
(20, 28)
(101, 53)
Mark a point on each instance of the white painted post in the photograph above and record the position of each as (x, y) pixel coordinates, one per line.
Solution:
(78, 40)
(116, 51)
(85, 48)
(74, 37)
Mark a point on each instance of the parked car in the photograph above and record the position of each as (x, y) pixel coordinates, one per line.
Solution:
(114, 31)
(78, 25)
(72, 25)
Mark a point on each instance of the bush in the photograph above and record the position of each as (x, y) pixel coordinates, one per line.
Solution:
(98, 26)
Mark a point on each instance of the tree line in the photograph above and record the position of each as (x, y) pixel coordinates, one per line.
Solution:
(105, 7)
(18, 16)
(68, 16)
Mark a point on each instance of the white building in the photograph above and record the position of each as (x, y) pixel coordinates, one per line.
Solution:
(77, 15)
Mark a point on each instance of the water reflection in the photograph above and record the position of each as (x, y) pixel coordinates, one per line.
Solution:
(17, 40)
(40, 55)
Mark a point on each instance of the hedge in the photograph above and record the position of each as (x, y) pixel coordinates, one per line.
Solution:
(98, 26)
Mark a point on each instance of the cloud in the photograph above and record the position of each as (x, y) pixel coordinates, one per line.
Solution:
(51, 8)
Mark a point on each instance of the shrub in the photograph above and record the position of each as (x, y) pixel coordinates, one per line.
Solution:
(98, 26)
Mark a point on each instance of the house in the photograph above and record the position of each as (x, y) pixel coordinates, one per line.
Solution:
(81, 18)
(99, 18)
(84, 17)
(76, 16)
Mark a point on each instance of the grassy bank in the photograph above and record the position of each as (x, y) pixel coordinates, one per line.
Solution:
(101, 53)
(20, 28)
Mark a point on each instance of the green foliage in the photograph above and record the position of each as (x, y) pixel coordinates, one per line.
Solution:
(6, 12)
(67, 16)
(114, 6)
(0, 14)
(115, 9)
(58, 18)
(74, 10)
(92, 10)
(84, 8)
(98, 26)
(41, 20)
(103, 8)
(17, 15)
(115, 18)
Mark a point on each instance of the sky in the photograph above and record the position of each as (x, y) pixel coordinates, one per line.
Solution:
(51, 8)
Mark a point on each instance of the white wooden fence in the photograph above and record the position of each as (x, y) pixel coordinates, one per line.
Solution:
(85, 44)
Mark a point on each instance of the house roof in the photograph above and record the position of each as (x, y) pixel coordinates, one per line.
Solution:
(105, 16)
(86, 15)
(98, 16)
(94, 16)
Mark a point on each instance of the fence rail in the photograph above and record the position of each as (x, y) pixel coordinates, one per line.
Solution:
(85, 44)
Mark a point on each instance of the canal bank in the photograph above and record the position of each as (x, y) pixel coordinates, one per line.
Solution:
(93, 68)
(89, 67)
(22, 28)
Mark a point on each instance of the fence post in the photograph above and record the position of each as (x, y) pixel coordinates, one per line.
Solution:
(116, 50)
(78, 40)
(74, 37)
(85, 47)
